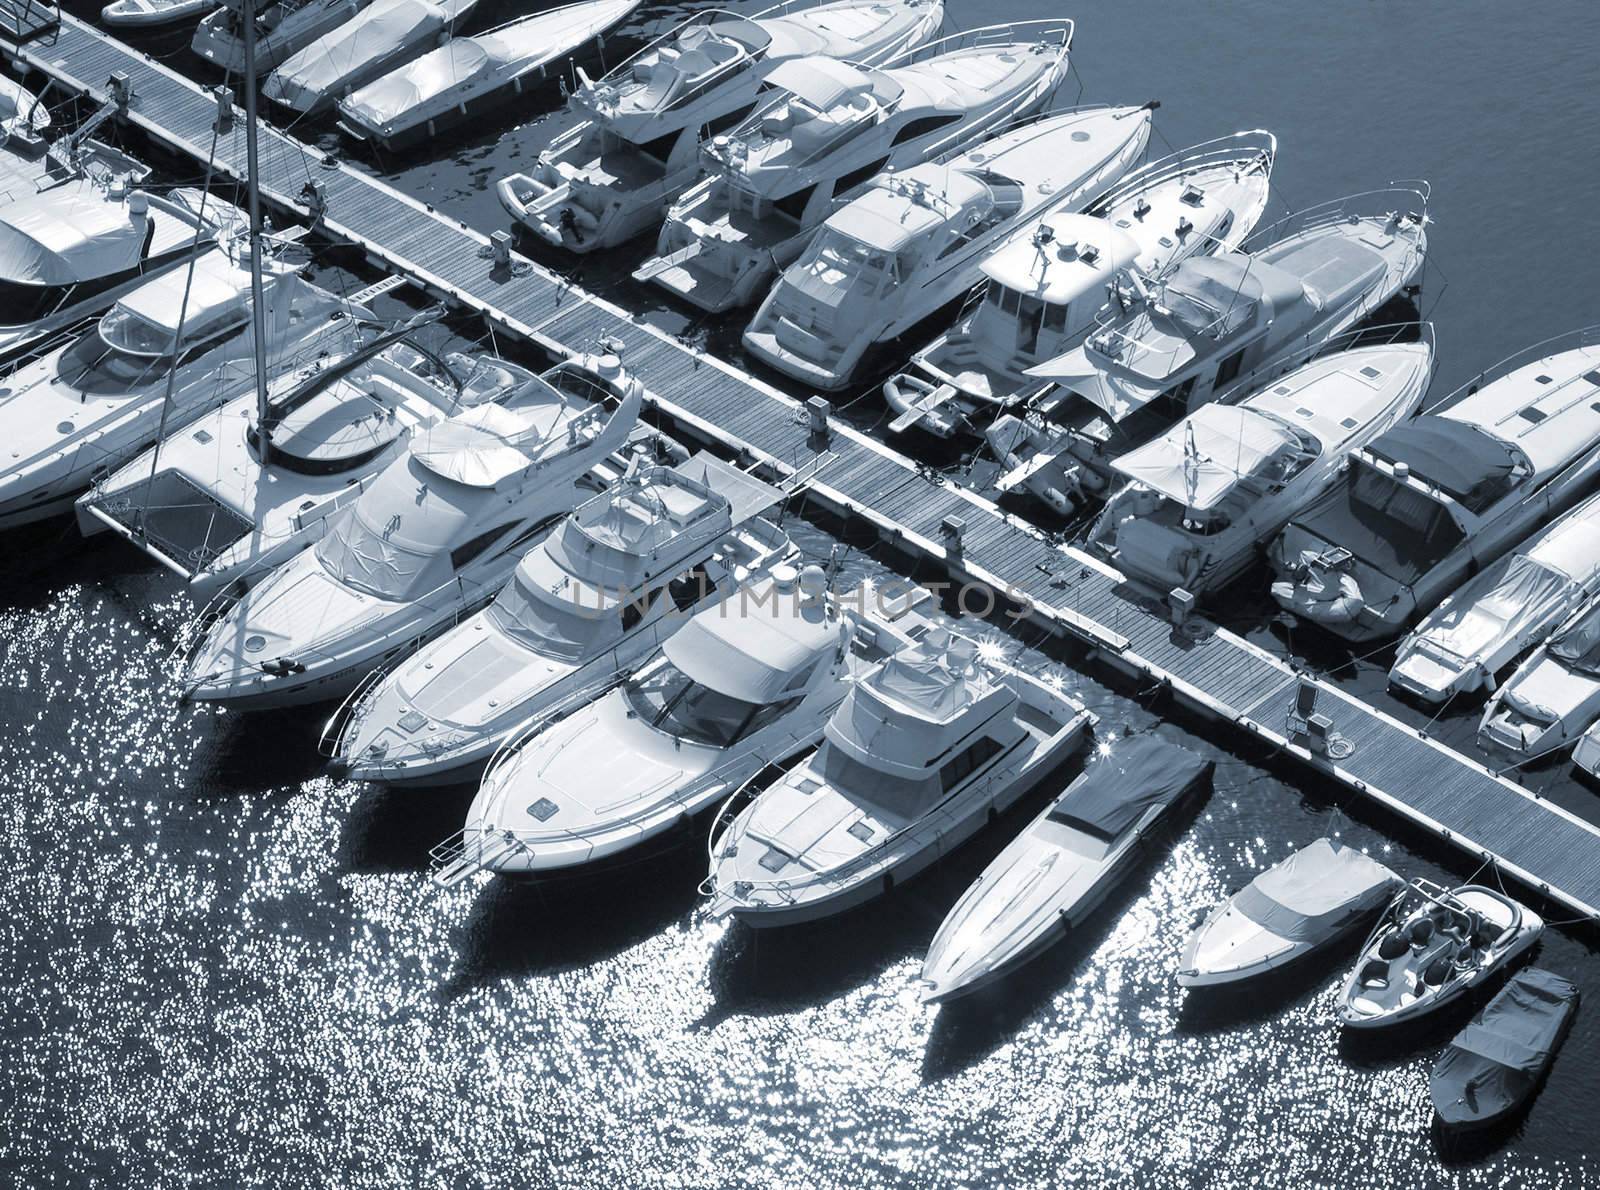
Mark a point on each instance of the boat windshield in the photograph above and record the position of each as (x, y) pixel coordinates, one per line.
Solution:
(838, 258)
(564, 629)
(96, 366)
(674, 704)
(124, 330)
(372, 562)
(1579, 645)
(894, 797)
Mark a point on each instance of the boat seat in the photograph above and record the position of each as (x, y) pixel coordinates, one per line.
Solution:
(1421, 932)
(1393, 946)
(1375, 974)
(1436, 972)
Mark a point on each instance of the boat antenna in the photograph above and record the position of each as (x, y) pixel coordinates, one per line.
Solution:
(253, 190)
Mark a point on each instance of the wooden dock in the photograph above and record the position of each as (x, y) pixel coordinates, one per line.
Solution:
(1447, 794)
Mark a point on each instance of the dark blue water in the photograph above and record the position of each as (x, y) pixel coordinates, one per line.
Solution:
(218, 967)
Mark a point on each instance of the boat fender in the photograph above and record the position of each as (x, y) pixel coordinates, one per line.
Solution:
(888, 882)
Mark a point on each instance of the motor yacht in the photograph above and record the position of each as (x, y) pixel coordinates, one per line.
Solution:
(1206, 331)
(164, 354)
(146, 14)
(468, 76)
(1431, 946)
(1430, 502)
(1300, 906)
(1063, 865)
(922, 752)
(1553, 697)
(382, 36)
(1044, 290)
(1502, 611)
(744, 685)
(636, 143)
(434, 537)
(282, 31)
(825, 129)
(1200, 501)
(69, 253)
(619, 576)
(915, 239)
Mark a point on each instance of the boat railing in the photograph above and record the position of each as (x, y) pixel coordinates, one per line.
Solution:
(1056, 32)
(1310, 347)
(1253, 150)
(1574, 340)
(470, 850)
(1396, 203)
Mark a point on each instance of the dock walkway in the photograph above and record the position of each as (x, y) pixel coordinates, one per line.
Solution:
(1447, 794)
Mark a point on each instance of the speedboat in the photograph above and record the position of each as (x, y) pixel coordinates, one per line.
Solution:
(1057, 871)
(1503, 610)
(1044, 290)
(915, 239)
(1297, 907)
(79, 412)
(1554, 696)
(467, 76)
(745, 684)
(636, 143)
(1201, 500)
(824, 130)
(71, 252)
(145, 14)
(619, 576)
(430, 541)
(1209, 330)
(1431, 946)
(361, 50)
(282, 30)
(922, 753)
(1432, 501)
(1495, 1064)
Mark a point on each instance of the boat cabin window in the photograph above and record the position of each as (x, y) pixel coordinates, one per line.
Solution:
(903, 796)
(1055, 317)
(672, 702)
(690, 588)
(633, 610)
(856, 177)
(1228, 369)
(466, 553)
(794, 205)
(923, 126)
(1030, 319)
(967, 761)
(95, 368)
(660, 148)
(1418, 528)
(838, 259)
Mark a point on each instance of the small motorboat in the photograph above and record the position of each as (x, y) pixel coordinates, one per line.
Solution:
(1554, 696)
(1060, 869)
(915, 240)
(1437, 499)
(432, 539)
(615, 579)
(70, 252)
(282, 30)
(745, 684)
(1462, 645)
(824, 130)
(1044, 291)
(1431, 946)
(636, 143)
(1202, 499)
(1295, 908)
(144, 14)
(468, 75)
(361, 50)
(923, 752)
(1495, 1064)
(85, 408)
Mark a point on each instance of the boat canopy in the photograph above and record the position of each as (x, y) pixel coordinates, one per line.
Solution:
(1578, 644)
(1521, 1026)
(1117, 787)
(487, 444)
(322, 66)
(1198, 462)
(64, 237)
(822, 82)
(757, 645)
(904, 208)
(219, 293)
(1456, 457)
(1310, 892)
(1504, 603)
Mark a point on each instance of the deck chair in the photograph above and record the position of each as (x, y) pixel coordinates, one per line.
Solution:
(1305, 706)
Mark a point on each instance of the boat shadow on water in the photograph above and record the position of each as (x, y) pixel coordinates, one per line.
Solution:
(1226, 1007)
(394, 830)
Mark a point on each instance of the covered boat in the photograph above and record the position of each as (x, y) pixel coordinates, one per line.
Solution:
(1300, 905)
(1554, 696)
(282, 30)
(1054, 874)
(468, 75)
(1466, 641)
(1494, 1065)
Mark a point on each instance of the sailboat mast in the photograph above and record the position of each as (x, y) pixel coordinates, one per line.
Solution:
(253, 189)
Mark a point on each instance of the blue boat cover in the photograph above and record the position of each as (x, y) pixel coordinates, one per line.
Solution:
(1455, 457)
(1117, 787)
(1521, 1025)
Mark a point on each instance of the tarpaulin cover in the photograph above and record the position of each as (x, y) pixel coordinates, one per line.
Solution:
(1116, 788)
(821, 82)
(323, 67)
(1392, 528)
(68, 236)
(456, 63)
(1198, 461)
(1311, 893)
(1495, 1062)
(1578, 645)
(1455, 457)
(1512, 600)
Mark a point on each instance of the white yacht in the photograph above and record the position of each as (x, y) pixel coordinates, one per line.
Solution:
(467, 76)
(1297, 907)
(742, 686)
(636, 146)
(430, 541)
(282, 30)
(823, 131)
(1044, 290)
(1201, 500)
(1432, 501)
(1063, 865)
(70, 252)
(1209, 330)
(76, 414)
(920, 755)
(1554, 696)
(1503, 610)
(618, 577)
(1432, 946)
(915, 239)
(146, 14)
(362, 50)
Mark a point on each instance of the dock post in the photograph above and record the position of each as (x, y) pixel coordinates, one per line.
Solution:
(224, 95)
(121, 89)
(950, 530)
(500, 251)
(1180, 606)
(817, 413)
